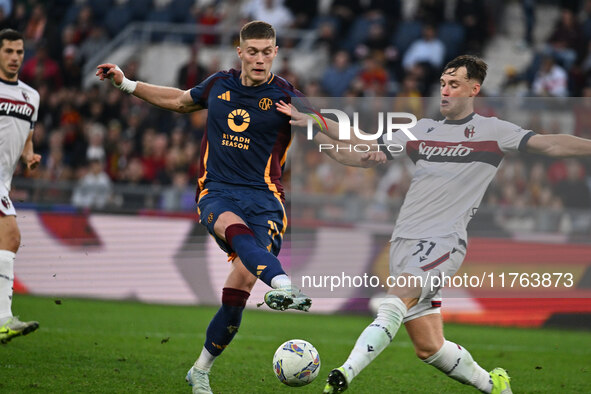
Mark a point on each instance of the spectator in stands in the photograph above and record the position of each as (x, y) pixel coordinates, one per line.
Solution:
(339, 75)
(472, 15)
(345, 12)
(304, 12)
(154, 153)
(425, 57)
(270, 11)
(428, 50)
(180, 196)
(327, 37)
(374, 76)
(573, 190)
(41, 69)
(36, 25)
(84, 24)
(566, 40)
(97, 39)
(71, 74)
(191, 73)
(376, 41)
(208, 16)
(18, 20)
(94, 189)
(55, 168)
(431, 12)
(551, 80)
(409, 97)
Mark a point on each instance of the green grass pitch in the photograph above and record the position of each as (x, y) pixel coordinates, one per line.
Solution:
(88, 346)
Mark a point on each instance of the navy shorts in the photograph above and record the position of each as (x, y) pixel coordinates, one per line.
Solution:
(261, 210)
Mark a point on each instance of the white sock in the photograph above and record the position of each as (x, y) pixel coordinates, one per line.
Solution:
(280, 281)
(6, 282)
(376, 337)
(205, 360)
(457, 363)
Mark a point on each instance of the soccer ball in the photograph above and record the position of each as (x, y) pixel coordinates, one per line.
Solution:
(296, 363)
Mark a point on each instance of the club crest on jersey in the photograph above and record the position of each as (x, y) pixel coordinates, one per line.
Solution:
(265, 103)
(5, 202)
(469, 131)
(25, 96)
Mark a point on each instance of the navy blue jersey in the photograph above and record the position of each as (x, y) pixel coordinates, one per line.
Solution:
(246, 138)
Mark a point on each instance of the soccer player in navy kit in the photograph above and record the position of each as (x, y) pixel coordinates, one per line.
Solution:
(240, 197)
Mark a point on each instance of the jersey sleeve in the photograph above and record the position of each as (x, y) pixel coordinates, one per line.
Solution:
(36, 103)
(200, 92)
(511, 137)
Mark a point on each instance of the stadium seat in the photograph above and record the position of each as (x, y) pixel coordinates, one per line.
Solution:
(357, 33)
(407, 32)
(100, 8)
(453, 37)
(116, 20)
(159, 15)
(139, 9)
(71, 15)
(180, 11)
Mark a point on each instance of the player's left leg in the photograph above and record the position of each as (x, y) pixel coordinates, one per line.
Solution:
(426, 333)
(224, 325)
(10, 326)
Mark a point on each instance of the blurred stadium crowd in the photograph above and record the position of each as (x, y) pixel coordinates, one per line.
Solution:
(97, 137)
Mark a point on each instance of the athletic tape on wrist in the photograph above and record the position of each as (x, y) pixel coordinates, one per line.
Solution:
(127, 85)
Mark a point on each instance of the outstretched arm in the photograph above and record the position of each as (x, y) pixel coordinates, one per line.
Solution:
(341, 151)
(165, 97)
(559, 145)
(331, 128)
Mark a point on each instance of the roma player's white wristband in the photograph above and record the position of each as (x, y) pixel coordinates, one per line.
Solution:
(127, 85)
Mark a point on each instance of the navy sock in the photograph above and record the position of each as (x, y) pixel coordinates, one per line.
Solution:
(258, 260)
(224, 325)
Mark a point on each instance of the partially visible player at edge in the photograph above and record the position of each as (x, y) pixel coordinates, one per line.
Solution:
(240, 197)
(430, 233)
(19, 105)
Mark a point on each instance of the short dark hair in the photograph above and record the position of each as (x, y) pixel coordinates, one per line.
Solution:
(10, 35)
(475, 67)
(257, 30)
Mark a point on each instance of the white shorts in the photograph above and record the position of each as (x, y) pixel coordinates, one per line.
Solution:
(424, 259)
(6, 207)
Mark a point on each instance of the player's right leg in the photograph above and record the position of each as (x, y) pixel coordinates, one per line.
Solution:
(372, 341)
(223, 326)
(10, 326)
(253, 231)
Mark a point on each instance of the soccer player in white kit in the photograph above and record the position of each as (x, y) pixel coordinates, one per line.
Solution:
(19, 104)
(456, 159)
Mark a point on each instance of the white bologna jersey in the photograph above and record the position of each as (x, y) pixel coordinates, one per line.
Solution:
(455, 162)
(19, 105)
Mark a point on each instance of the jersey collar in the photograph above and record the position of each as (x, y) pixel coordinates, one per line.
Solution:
(267, 82)
(460, 121)
(9, 82)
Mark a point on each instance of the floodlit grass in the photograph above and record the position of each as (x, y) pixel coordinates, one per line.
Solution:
(87, 346)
